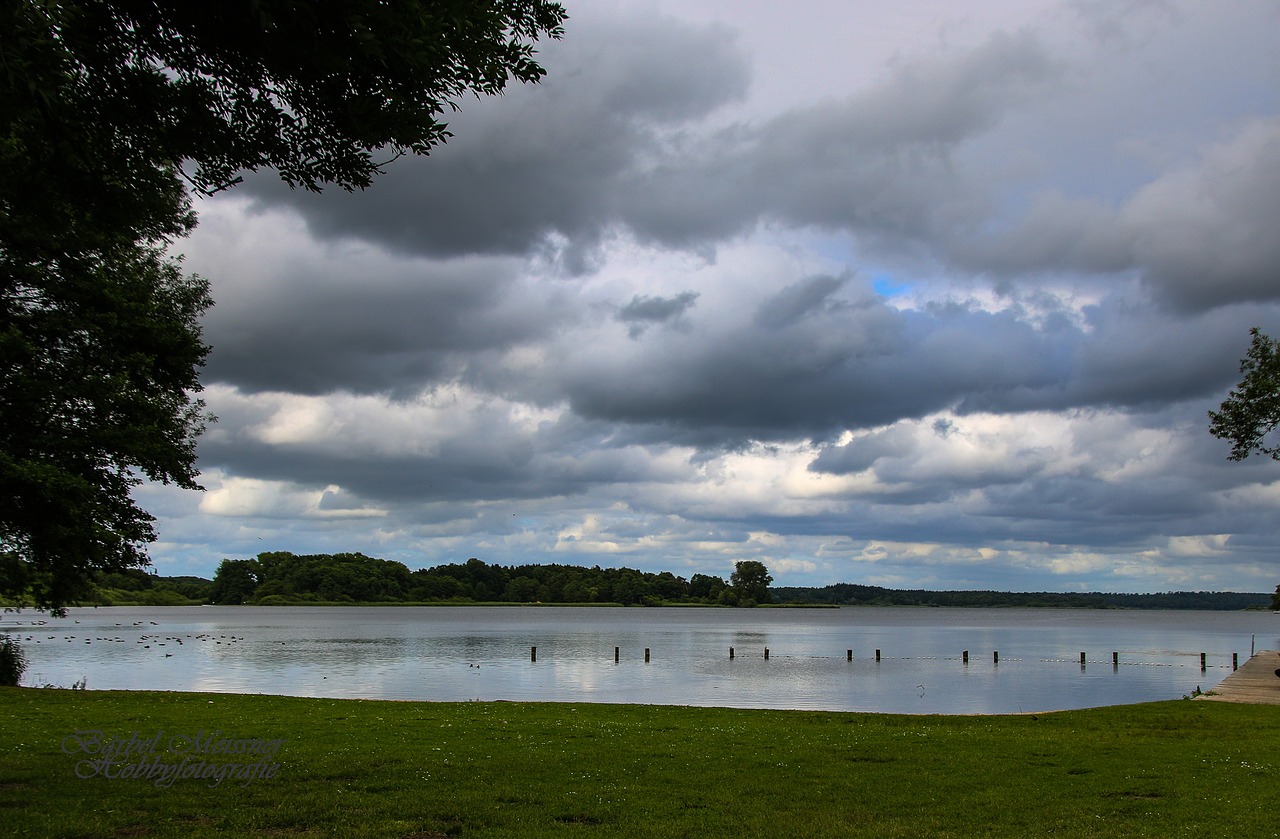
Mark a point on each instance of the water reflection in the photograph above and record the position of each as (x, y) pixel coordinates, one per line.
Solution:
(456, 654)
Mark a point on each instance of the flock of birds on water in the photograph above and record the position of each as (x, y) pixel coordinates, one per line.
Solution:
(144, 640)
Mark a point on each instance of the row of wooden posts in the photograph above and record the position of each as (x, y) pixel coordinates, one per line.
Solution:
(1115, 657)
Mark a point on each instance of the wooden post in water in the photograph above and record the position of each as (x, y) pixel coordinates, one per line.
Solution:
(1202, 667)
(1082, 658)
(848, 655)
(533, 653)
(966, 656)
(731, 653)
(1235, 661)
(646, 655)
(995, 658)
(615, 655)
(1115, 659)
(766, 653)
(877, 656)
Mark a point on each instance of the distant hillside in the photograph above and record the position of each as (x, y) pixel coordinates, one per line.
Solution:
(849, 594)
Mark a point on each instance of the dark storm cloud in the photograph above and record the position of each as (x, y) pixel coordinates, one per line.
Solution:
(877, 163)
(1137, 357)
(824, 363)
(545, 159)
(481, 456)
(808, 362)
(645, 310)
(1050, 494)
(809, 379)
(1211, 235)
(1058, 508)
(367, 326)
(864, 452)
(621, 136)
(1201, 236)
(796, 301)
(797, 358)
(1037, 507)
(611, 139)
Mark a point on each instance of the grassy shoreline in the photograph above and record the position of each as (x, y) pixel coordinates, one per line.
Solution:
(367, 768)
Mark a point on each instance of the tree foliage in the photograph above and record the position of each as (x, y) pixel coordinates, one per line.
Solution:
(13, 662)
(100, 344)
(322, 91)
(750, 581)
(135, 587)
(99, 357)
(108, 108)
(282, 577)
(1251, 411)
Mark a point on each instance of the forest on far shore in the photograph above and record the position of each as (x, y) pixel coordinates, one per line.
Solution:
(848, 594)
(282, 578)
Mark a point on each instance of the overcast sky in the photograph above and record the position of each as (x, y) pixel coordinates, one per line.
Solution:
(921, 294)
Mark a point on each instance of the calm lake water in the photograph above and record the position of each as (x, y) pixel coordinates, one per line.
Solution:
(483, 653)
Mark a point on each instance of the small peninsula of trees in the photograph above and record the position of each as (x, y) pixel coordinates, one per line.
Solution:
(279, 578)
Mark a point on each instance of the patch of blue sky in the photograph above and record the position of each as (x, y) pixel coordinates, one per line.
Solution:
(841, 249)
(889, 286)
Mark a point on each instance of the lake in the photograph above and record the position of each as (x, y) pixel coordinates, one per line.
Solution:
(484, 653)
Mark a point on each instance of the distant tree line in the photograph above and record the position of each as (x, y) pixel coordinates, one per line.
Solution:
(281, 577)
(135, 587)
(849, 594)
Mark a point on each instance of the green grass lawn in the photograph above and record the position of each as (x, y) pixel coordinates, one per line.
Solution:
(410, 769)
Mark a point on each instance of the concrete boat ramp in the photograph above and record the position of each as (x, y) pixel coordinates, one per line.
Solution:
(1257, 682)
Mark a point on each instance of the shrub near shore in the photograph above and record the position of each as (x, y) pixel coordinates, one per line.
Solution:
(409, 769)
